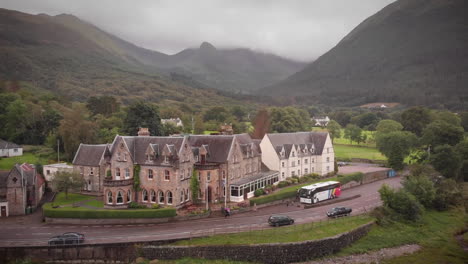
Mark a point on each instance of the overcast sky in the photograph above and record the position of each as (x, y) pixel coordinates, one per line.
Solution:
(296, 29)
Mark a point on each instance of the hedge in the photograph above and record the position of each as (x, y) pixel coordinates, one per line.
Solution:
(80, 212)
(357, 177)
(285, 193)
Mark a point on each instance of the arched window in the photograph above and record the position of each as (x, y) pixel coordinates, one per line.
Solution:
(109, 197)
(187, 195)
(167, 175)
(169, 197)
(182, 196)
(153, 196)
(145, 196)
(161, 197)
(117, 174)
(150, 174)
(127, 173)
(129, 196)
(119, 197)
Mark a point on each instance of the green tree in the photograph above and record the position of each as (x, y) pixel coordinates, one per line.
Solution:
(75, 129)
(342, 117)
(387, 126)
(217, 113)
(448, 194)
(67, 182)
(448, 117)
(422, 188)
(141, 114)
(365, 120)
(353, 133)
(440, 132)
(396, 146)
(289, 119)
(239, 112)
(199, 126)
(416, 119)
(401, 202)
(104, 105)
(334, 129)
(194, 187)
(446, 161)
(462, 150)
(464, 120)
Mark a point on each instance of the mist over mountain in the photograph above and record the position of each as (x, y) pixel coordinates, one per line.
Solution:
(412, 51)
(65, 54)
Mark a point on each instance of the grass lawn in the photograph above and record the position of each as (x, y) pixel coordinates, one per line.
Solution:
(72, 198)
(8, 163)
(347, 152)
(293, 233)
(434, 233)
(370, 141)
(94, 203)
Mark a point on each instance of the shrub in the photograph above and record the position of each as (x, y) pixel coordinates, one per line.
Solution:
(155, 206)
(422, 188)
(134, 205)
(402, 202)
(294, 180)
(274, 197)
(282, 184)
(447, 194)
(357, 177)
(259, 192)
(82, 213)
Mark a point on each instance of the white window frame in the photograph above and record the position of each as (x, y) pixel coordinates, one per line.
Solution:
(119, 193)
(127, 173)
(150, 174)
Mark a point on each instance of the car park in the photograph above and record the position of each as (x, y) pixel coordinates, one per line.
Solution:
(67, 238)
(278, 220)
(339, 211)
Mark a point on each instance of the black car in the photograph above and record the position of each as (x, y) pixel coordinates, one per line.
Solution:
(277, 220)
(67, 239)
(339, 211)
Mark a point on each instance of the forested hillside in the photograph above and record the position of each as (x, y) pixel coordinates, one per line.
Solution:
(412, 51)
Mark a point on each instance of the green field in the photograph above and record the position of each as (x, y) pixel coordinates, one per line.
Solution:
(94, 203)
(72, 198)
(435, 233)
(370, 142)
(347, 152)
(8, 163)
(293, 233)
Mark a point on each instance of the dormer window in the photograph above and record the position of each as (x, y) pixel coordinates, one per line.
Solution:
(166, 159)
(293, 154)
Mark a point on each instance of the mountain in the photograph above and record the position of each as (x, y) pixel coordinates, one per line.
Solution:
(237, 70)
(412, 51)
(66, 55)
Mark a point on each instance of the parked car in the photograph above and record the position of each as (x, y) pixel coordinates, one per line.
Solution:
(342, 163)
(278, 220)
(339, 211)
(67, 239)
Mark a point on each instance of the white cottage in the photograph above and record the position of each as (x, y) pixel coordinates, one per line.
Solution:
(8, 149)
(297, 154)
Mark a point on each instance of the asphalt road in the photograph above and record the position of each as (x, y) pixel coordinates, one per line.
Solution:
(27, 234)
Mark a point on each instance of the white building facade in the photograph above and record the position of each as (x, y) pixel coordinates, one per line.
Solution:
(9, 149)
(297, 154)
(50, 170)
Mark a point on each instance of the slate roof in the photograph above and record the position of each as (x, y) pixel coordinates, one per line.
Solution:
(8, 145)
(138, 145)
(218, 146)
(247, 143)
(298, 138)
(89, 155)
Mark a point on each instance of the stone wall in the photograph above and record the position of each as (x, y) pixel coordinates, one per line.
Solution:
(127, 252)
(264, 253)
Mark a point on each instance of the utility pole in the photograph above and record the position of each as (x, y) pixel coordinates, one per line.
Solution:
(193, 126)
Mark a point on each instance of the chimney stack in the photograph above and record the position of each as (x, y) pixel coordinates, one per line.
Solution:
(143, 131)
